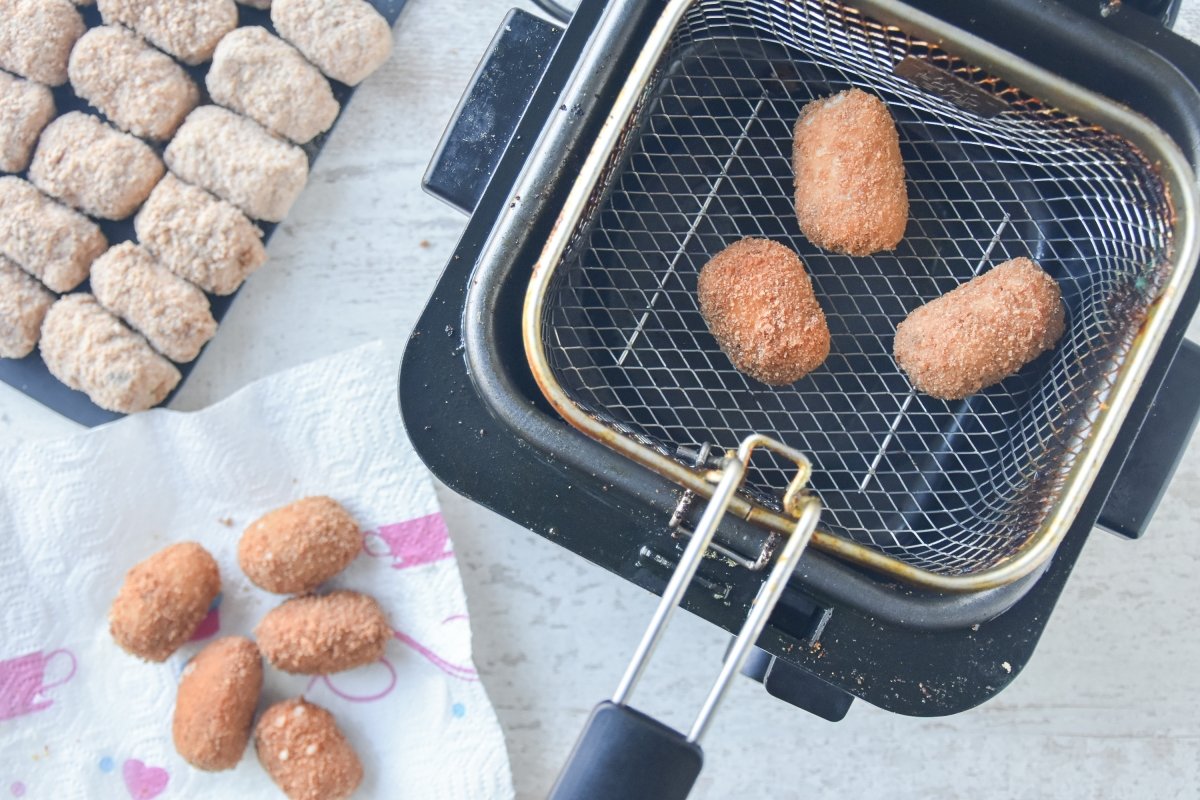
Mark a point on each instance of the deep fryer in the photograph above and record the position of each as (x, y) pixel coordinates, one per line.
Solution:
(657, 133)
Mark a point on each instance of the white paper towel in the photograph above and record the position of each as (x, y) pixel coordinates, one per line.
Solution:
(79, 718)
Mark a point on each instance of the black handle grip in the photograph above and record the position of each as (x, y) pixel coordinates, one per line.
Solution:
(490, 109)
(623, 754)
(1160, 445)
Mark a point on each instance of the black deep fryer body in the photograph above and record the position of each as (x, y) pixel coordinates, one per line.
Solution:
(478, 420)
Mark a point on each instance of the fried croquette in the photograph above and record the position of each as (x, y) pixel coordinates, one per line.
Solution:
(25, 109)
(36, 37)
(51, 242)
(163, 599)
(321, 634)
(23, 305)
(238, 160)
(307, 756)
(215, 703)
(174, 316)
(88, 349)
(92, 166)
(296, 548)
(981, 332)
(850, 191)
(347, 39)
(139, 89)
(759, 304)
(199, 237)
(258, 74)
(187, 29)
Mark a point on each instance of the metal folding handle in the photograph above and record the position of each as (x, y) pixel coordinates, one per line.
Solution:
(625, 754)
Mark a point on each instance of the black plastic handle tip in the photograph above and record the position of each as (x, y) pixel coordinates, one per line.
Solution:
(625, 755)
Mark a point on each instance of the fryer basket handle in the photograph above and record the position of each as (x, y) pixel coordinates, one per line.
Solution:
(487, 116)
(624, 754)
(1160, 444)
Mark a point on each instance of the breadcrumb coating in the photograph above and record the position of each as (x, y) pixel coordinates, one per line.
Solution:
(173, 315)
(321, 634)
(258, 74)
(94, 167)
(850, 191)
(187, 29)
(296, 548)
(301, 747)
(88, 349)
(163, 600)
(199, 237)
(25, 109)
(36, 37)
(215, 703)
(139, 89)
(347, 39)
(23, 305)
(238, 160)
(51, 242)
(982, 332)
(759, 304)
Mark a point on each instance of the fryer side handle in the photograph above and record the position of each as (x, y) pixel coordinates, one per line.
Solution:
(623, 753)
(487, 116)
(1159, 446)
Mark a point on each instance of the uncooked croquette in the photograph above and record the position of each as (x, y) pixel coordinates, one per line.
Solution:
(88, 349)
(94, 167)
(139, 89)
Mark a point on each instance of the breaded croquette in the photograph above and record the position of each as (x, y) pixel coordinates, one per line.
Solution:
(759, 304)
(174, 316)
(296, 548)
(139, 89)
(301, 747)
(88, 349)
(320, 634)
(256, 73)
(23, 305)
(238, 160)
(51, 242)
(850, 192)
(90, 165)
(215, 703)
(187, 29)
(25, 109)
(36, 37)
(163, 600)
(980, 333)
(199, 237)
(347, 39)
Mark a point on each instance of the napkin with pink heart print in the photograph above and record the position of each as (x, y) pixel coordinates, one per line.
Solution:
(79, 718)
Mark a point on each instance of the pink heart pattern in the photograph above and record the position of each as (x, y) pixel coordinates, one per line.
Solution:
(143, 782)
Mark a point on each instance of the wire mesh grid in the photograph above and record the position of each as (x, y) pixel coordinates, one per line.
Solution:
(951, 487)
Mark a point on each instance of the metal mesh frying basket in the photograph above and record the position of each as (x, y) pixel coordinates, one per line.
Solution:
(945, 488)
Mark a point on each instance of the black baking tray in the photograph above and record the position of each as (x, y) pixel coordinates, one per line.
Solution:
(29, 374)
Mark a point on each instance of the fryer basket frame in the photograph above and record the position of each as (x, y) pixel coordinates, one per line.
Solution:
(1038, 546)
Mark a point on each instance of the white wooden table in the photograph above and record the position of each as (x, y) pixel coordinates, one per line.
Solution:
(1107, 707)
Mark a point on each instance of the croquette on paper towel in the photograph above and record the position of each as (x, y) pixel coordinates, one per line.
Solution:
(81, 511)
